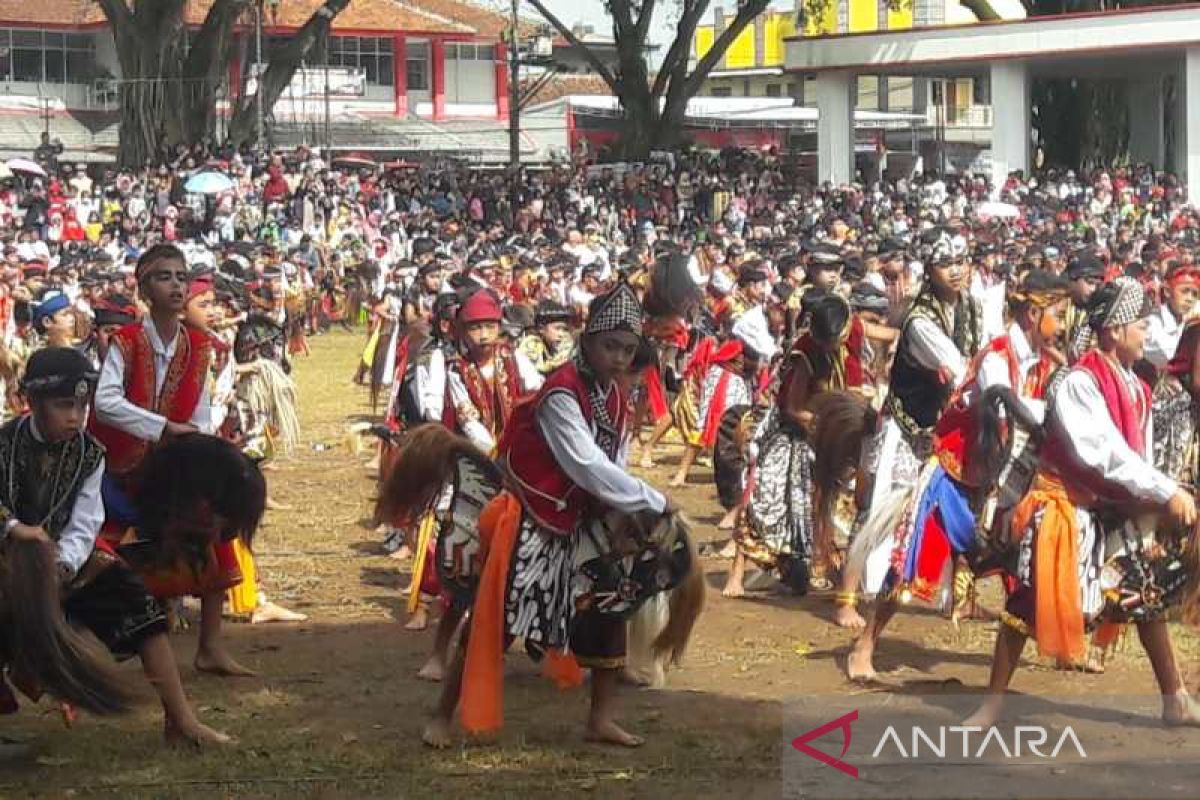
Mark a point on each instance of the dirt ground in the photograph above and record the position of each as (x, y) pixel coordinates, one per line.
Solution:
(338, 709)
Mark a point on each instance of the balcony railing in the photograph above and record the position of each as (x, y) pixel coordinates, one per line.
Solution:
(956, 117)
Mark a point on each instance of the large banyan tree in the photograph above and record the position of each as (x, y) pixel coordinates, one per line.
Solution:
(171, 78)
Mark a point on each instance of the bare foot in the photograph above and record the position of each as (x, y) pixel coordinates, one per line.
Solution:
(729, 550)
(437, 733)
(646, 462)
(275, 505)
(1180, 711)
(987, 714)
(403, 554)
(734, 589)
(270, 612)
(218, 662)
(419, 621)
(858, 666)
(609, 732)
(434, 670)
(728, 521)
(848, 617)
(678, 481)
(194, 734)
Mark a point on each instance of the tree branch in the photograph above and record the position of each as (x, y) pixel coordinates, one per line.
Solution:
(746, 14)
(642, 30)
(681, 46)
(604, 72)
(209, 50)
(116, 11)
(982, 9)
(283, 64)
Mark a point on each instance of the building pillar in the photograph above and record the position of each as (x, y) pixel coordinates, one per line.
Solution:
(835, 127)
(437, 58)
(400, 74)
(1146, 140)
(1188, 142)
(1011, 122)
(501, 80)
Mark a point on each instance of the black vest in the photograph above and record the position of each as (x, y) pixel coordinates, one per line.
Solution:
(916, 395)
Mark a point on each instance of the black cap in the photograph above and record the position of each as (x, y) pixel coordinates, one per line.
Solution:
(1085, 265)
(59, 372)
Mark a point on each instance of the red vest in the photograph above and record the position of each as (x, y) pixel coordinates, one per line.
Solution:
(493, 399)
(545, 491)
(186, 376)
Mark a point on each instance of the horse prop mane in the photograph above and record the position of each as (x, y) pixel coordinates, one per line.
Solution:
(199, 484)
(42, 650)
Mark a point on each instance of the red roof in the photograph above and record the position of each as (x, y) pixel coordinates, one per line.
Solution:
(419, 16)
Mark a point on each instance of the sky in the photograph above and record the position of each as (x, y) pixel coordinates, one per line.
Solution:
(592, 12)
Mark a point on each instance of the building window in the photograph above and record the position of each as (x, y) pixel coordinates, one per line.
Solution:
(745, 87)
(981, 91)
(418, 66)
(371, 54)
(722, 91)
(46, 56)
(467, 51)
(773, 90)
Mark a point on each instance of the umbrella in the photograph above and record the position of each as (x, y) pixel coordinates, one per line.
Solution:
(354, 162)
(992, 208)
(208, 183)
(27, 166)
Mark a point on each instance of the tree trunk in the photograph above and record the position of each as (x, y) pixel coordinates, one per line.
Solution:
(168, 93)
(280, 71)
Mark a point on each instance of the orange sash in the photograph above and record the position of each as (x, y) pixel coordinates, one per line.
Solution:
(1058, 615)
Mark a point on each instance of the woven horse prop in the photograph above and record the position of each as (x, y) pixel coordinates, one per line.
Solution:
(655, 553)
(44, 653)
(190, 494)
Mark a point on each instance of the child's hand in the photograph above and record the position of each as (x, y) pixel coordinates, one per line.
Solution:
(29, 533)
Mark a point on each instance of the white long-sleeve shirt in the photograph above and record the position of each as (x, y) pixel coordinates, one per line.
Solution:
(993, 371)
(1080, 413)
(113, 408)
(933, 349)
(431, 385)
(573, 445)
(1162, 337)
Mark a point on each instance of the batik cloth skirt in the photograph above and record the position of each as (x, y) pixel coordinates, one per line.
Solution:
(1085, 567)
(729, 456)
(1175, 441)
(779, 520)
(577, 591)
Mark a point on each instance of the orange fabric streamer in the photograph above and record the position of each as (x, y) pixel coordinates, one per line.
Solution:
(483, 672)
(562, 668)
(1058, 621)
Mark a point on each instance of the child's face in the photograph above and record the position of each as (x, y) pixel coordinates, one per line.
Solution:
(61, 323)
(165, 285)
(60, 418)
(555, 333)
(201, 310)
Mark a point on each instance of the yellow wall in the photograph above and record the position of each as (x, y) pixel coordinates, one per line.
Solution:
(864, 15)
(898, 20)
(704, 40)
(740, 54)
(776, 28)
(827, 22)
